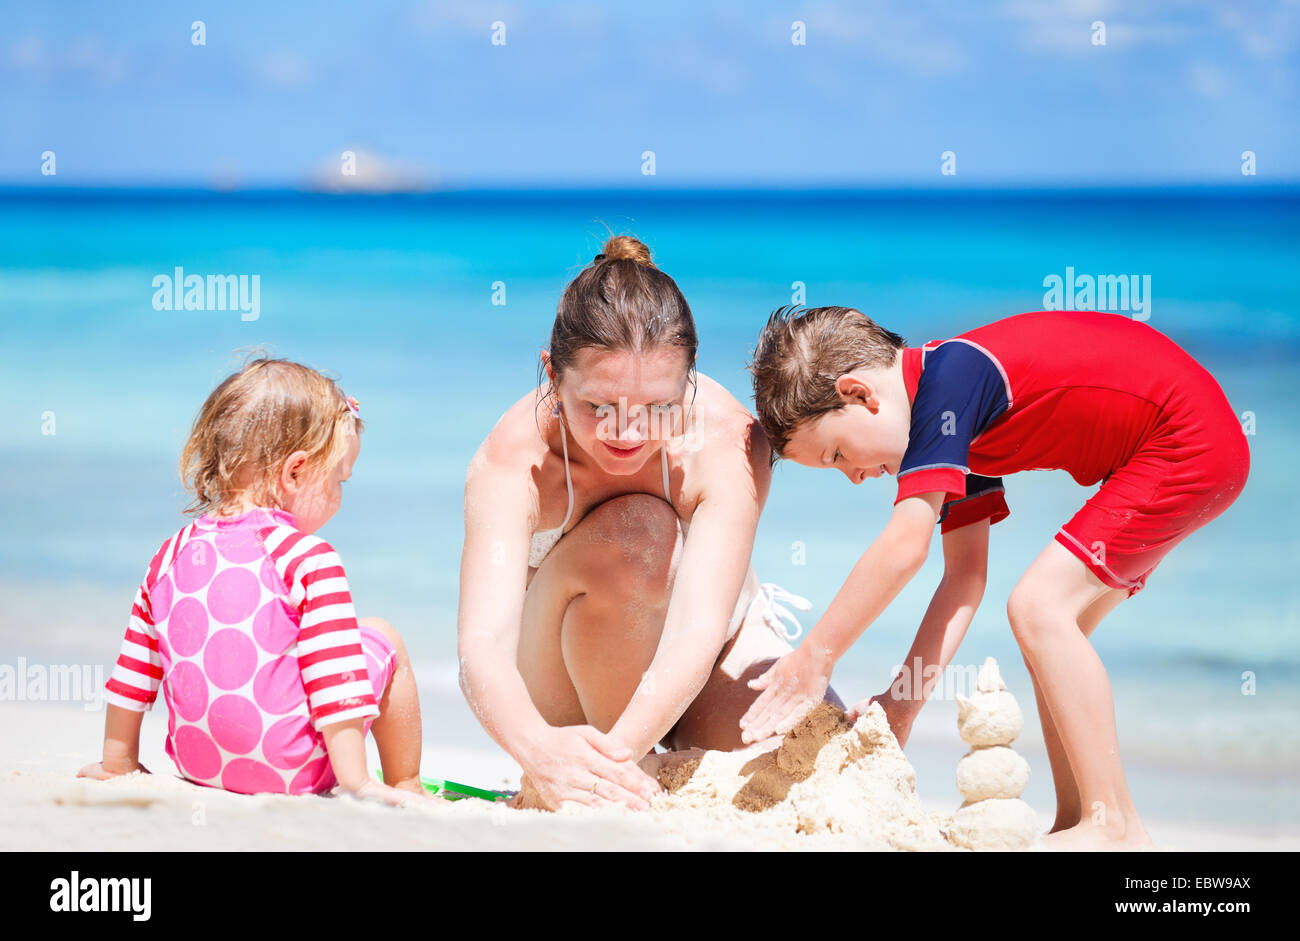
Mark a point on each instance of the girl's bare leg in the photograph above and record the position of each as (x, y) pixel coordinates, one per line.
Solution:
(397, 730)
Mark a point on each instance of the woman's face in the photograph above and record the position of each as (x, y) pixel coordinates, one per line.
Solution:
(621, 407)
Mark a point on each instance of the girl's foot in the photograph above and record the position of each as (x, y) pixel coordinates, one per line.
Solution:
(414, 786)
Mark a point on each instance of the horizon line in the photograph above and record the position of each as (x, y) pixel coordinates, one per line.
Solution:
(698, 188)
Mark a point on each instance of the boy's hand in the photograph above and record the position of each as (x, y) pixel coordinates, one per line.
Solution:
(792, 687)
(900, 713)
(98, 772)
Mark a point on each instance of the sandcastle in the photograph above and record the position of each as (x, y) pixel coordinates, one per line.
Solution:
(833, 783)
(991, 777)
(838, 783)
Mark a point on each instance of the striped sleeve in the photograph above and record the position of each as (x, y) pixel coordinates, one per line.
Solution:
(133, 684)
(329, 640)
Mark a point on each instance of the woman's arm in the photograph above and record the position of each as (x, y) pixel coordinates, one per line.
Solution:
(499, 517)
(715, 560)
(562, 764)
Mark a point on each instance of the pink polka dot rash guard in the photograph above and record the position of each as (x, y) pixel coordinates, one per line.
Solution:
(248, 626)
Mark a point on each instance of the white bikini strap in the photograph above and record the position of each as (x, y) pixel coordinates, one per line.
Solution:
(568, 480)
(668, 494)
(775, 614)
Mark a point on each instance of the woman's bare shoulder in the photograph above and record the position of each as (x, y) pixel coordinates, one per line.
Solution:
(724, 419)
(516, 442)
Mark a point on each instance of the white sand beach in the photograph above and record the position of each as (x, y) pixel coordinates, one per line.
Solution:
(44, 807)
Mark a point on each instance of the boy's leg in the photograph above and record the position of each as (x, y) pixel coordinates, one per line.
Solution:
(1068, 807)
(397, 729)
(1044, 610)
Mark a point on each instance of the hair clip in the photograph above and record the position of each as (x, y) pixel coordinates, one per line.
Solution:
(600, 257)
(353, 406)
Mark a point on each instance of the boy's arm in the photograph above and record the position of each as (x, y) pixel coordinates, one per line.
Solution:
(965, 560)
(797, 682)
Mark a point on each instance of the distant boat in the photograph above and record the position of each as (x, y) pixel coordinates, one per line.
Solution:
(363, 171)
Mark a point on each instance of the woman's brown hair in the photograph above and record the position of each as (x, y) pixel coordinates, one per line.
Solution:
(255, 419)
(621, 301)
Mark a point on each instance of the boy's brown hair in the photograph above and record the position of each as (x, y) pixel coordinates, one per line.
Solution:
(800, 355)
(253, 421)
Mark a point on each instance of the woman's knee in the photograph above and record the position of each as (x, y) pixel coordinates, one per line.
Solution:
(633, 521)
(630, 543)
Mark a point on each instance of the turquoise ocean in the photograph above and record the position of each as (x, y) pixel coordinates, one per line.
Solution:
(394, 296)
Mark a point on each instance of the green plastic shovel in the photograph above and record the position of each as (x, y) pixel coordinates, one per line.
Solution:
(452, 791)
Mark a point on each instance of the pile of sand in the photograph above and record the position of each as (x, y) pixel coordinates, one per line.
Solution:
(830, 784)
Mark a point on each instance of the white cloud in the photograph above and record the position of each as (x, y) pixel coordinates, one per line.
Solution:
(1208, 81)
(81, 57)
(285, 71)
(464, 16)
(1269, 34)
(891, 34)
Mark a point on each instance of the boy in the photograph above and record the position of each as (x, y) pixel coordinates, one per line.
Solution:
(1106, 398)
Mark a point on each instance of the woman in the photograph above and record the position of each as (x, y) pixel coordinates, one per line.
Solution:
(606, 598)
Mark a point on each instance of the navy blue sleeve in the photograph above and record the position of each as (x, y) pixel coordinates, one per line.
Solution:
(960, 392)
(984, 500)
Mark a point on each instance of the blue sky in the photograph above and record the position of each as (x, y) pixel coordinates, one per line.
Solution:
(1015, 88)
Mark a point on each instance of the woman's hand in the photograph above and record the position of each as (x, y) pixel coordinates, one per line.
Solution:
(900, 713)
(579, 764)
(792, 687)
(98, 772)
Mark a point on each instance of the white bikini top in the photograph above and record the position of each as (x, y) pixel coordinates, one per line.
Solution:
(544, 540)
(767, 600)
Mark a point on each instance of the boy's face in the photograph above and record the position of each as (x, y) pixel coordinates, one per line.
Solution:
(867, 437)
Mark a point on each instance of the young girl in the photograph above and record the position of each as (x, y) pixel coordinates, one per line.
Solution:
(245, 619)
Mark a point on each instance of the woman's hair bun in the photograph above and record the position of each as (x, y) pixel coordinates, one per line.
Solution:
(621, 247)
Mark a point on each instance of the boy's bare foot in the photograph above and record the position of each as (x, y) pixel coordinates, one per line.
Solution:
(1091, 837)
(1063, 823)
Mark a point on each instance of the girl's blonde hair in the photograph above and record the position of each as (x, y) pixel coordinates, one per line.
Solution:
(253, 421)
